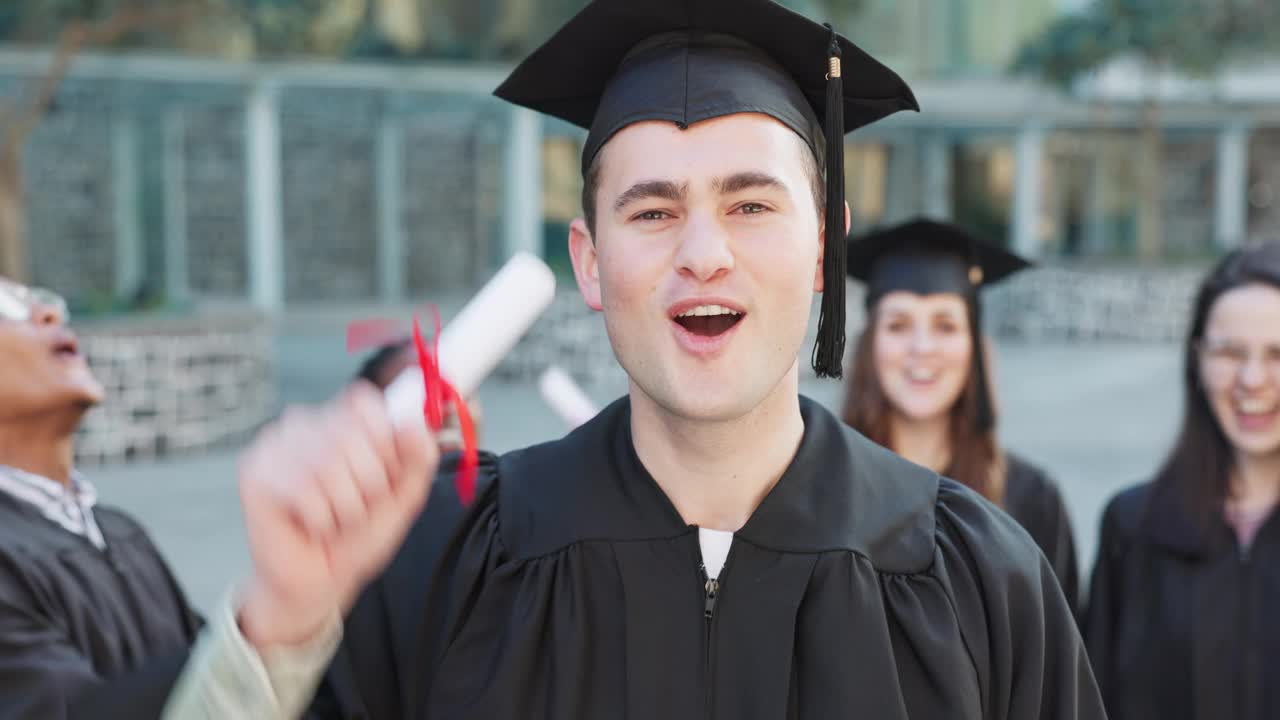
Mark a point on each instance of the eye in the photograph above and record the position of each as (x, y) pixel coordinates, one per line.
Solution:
(652, 216)
(897, 325)
(752, 208)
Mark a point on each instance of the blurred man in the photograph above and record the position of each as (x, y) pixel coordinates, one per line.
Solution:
(88, 608)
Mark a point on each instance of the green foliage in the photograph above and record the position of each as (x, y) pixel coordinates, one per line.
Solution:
(1192, 36)
(453, 29)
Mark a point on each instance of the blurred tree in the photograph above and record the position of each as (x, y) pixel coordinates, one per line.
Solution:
(76, 24)
(504, 30)
(1190, 36)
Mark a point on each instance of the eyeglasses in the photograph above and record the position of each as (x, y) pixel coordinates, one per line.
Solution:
(18, 303)
(1221, 360)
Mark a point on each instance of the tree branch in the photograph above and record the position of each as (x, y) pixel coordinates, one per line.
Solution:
(18, 125)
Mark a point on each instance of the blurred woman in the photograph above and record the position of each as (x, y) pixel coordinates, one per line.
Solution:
(920, 385)
(1181, 620)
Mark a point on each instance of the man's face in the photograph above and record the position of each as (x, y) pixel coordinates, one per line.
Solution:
(41, 367)
(706, 256)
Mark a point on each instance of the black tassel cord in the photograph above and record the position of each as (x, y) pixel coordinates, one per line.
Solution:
(828, 353)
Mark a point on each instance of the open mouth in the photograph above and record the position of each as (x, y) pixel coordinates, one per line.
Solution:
(66, 349)
(1255, 415)
(922, 376)
(709, 320)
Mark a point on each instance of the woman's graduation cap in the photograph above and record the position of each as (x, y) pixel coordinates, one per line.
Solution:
(619, 62)
(927, 257)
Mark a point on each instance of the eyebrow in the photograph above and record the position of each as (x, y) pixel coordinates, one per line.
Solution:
(646, 189)
(750, 180)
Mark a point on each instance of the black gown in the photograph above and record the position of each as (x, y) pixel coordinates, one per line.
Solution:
(863, 586)
(1033, 499)
(1181, 622)
(85, 633)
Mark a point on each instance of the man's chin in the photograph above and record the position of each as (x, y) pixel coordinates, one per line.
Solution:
(88, 395)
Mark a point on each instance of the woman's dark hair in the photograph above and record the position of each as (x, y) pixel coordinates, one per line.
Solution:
(976, 459)
(375, 366)
(1199, 467)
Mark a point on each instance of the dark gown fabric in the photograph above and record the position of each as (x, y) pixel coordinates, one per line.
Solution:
(1033, 499)
(85, 633)
(1181, 623)
(863, 586)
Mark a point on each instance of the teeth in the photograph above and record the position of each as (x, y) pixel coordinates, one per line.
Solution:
(1256, 407)
(921, 375)
(705, 310)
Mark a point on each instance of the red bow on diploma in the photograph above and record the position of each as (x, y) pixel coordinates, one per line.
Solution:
(440, 395)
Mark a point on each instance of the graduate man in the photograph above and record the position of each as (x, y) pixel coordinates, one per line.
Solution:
(713, 545)
(86, 601)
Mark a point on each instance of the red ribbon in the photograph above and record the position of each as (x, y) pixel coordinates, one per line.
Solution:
(440, 395)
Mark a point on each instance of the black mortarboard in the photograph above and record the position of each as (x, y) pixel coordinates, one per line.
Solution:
(927, 257)
(619, 62)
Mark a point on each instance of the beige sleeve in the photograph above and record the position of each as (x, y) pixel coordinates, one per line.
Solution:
(227, 678)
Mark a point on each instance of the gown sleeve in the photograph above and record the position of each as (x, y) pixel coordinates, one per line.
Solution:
(44, 676)
(1014, 618)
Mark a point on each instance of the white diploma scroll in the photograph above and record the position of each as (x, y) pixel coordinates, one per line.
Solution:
(482, 333)
(566, 397)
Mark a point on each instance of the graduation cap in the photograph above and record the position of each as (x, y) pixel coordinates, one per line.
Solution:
(926, 257)
(619, 62)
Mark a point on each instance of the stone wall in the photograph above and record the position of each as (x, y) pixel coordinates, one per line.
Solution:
(1044, 304)
(176, 385)
(1094, 305)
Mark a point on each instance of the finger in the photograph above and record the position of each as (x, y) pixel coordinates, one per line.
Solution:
(377, 446)
(340, 478)
(305, 457)
(310, 509)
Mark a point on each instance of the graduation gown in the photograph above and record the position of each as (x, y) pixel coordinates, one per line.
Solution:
(1033, 499)
(863, 586)
(83, 632)
(1181, 621)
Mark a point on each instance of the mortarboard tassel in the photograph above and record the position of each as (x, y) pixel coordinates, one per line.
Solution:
(985, 419)
(828, 353)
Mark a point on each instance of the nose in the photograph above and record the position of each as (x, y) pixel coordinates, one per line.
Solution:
(705, 251)
(1254, 373)
(47, 314)
(922, 341)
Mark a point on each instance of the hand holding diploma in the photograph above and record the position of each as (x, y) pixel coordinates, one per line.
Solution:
(329, 492)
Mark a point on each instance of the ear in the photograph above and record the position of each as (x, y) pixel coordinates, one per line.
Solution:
(586, 268)
(818, 283)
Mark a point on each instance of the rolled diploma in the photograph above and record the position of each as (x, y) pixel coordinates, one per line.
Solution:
(566, 397)
(483, 332)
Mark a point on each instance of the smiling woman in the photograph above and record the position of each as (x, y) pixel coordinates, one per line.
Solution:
(1188, 572)
(920, 384)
